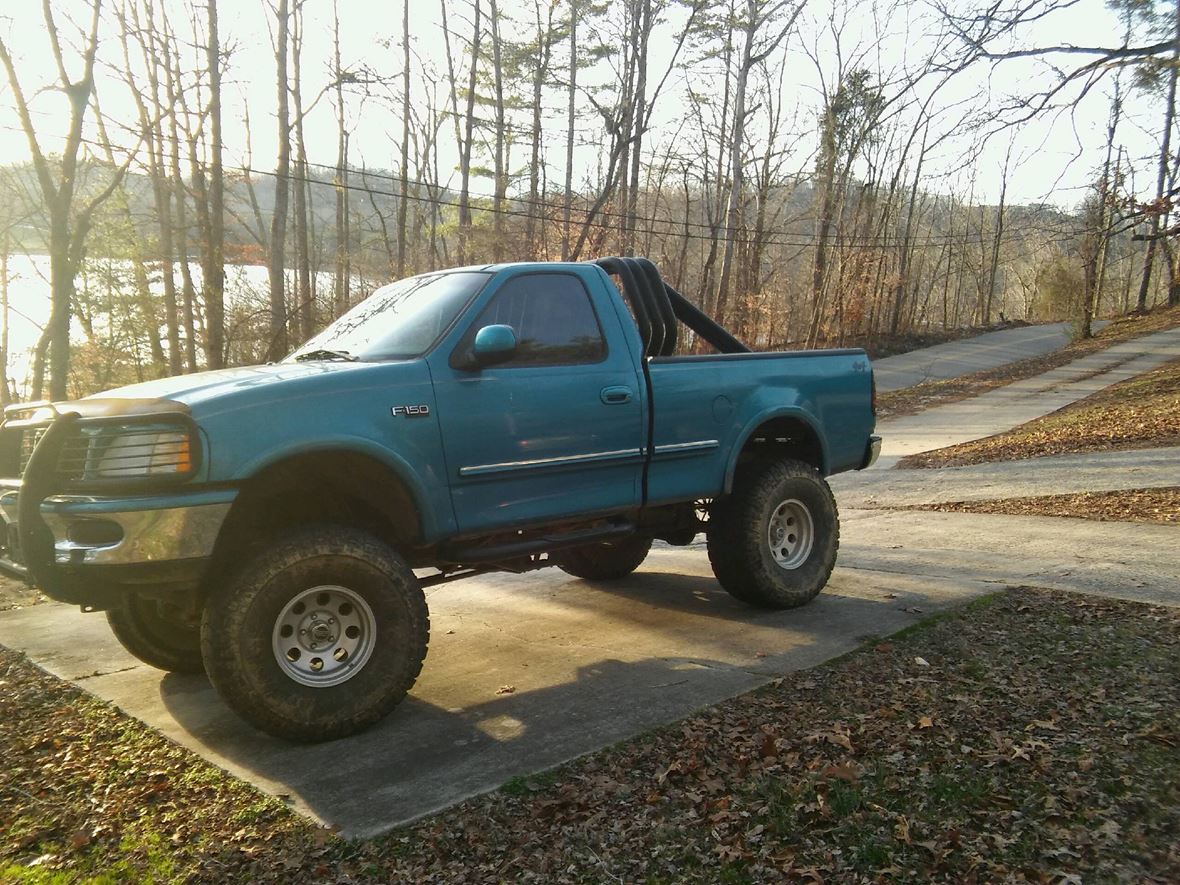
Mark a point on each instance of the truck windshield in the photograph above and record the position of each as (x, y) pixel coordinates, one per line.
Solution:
(398, 321)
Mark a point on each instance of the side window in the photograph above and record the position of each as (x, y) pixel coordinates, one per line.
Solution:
(553, 319)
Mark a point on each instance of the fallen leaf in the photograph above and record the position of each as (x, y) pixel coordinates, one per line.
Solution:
(80, 839)
(901, 829)
(506, 689)
(841, 772)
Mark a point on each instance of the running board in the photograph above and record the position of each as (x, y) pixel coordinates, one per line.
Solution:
(477, 553)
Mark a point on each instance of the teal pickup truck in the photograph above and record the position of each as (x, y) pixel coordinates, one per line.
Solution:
(274, 526)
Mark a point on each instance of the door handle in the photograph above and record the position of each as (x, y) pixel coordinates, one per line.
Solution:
(616, 396)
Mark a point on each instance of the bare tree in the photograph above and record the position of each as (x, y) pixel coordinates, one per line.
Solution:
(69, 222)
(213, 255)
(276, 260)
(304, 293)
(756, 47)
(465, 143)
(404, 203)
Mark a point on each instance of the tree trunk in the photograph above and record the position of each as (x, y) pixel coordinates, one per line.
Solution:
(304, 302)
(571, 98)
(643, 35)
(404, 202)
(543, 51)
(996, 240)
(276, 265)
(5, 395)
(736, 169)
(342, 277)
(57, 185)
(213, 269)
(465, 148)
(188, 291)
(1094, 289)
(501, 173)
(1162, 173)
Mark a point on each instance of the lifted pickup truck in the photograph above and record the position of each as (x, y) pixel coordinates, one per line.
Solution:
(275, 525)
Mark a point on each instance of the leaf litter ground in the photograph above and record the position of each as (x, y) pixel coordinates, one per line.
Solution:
(1033, 736)
(1160, 506)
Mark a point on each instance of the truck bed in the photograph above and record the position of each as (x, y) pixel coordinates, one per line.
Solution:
(706, 406)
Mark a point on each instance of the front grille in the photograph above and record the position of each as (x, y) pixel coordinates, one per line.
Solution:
(105, 452)
(120, 452)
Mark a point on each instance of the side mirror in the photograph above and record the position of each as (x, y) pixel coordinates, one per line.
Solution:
(492, 345)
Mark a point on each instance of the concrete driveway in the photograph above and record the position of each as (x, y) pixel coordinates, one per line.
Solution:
(955, 358)
(523, 672)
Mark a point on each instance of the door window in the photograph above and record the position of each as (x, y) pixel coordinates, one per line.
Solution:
(552, 317)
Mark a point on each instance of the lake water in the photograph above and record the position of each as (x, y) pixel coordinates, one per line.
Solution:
(28, 299)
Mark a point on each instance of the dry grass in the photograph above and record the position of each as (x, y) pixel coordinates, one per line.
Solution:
(1161, 506)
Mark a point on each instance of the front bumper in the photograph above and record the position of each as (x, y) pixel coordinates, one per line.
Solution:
(91, 549)
(124, 531)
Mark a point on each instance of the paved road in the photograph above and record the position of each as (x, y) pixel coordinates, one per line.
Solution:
(957, 358)
(1006, 407)
(527, 671)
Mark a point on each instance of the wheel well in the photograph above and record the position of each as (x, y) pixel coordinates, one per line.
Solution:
(338, 487)
(783, 437)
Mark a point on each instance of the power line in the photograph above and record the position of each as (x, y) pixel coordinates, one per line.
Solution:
(644, 223)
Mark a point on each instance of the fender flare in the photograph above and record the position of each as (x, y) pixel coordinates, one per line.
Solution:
(354, 445)
(761, 418)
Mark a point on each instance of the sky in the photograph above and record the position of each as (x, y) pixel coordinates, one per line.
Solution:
(1053, 159)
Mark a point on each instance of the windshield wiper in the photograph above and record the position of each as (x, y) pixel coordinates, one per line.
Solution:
(327, 355)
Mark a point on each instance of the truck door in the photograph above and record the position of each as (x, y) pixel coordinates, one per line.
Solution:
(555, 431)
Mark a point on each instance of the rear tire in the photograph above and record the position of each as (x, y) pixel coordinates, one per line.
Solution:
(608, 561)
(773, 541)
(157, 635)
(319, 637)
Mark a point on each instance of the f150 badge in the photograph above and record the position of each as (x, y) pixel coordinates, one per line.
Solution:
(411, 411)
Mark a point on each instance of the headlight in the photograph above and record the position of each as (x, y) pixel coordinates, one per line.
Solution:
(129, 452)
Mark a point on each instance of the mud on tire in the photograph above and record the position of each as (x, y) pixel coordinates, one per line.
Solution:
(319, 636)
(773, 541)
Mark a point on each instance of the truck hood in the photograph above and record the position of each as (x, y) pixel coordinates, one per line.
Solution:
(203, 386)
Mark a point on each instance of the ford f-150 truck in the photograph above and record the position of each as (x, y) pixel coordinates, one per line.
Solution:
(274, 526)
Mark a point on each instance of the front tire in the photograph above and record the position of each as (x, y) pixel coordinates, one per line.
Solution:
(608, 561)
(319, 637)
(773, 541)
(157, 635)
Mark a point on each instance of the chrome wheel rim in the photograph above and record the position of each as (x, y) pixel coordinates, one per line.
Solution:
(790, 534)
(324, 636)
